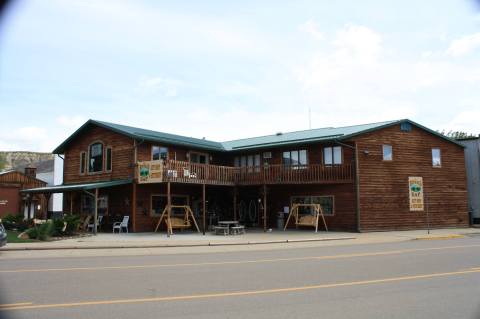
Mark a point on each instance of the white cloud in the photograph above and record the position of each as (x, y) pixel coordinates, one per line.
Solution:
(466, 121)
(29, 138)
(311, 27)
(165, 86)
(359, 43)
(464, 45)
(73, 122)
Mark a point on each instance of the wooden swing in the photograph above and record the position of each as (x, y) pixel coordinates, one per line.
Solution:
(176, 222)
(306, 220)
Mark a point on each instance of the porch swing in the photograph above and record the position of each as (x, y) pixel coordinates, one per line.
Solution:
(173, 222)
(306, 219)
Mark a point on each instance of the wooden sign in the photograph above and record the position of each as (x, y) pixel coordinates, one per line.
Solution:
(150, 172)
(415, 188)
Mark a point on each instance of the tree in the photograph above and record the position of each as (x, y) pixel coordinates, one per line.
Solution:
(3, 161)
(457, 134)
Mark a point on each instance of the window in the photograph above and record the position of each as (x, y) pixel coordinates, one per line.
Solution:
(332, 155)
(295, 158)
(95, 158)
(200, 158)
(405, 126)
(387, 152)
(436, 157)
(108, 159)
(326, 202)
(159, 152)
(83, 159)
(158, 203)
(250, 161)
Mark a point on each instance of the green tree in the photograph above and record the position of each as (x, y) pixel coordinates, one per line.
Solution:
(457, 134)
(3, 161)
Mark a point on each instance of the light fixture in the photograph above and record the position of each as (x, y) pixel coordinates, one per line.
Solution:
(366, 152)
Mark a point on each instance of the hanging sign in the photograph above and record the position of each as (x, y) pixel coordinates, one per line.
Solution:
(415, 188)
(150, 172)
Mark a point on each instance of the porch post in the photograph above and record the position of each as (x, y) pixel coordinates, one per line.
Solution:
(134, 206)
(203, 208)
(357, 188)
(95, 216)
(169, 208)
(264, 207)
(235, 203)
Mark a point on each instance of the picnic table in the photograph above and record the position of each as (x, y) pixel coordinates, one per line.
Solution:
(229, 227)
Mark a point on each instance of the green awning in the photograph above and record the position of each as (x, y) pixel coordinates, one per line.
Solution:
(76, 187)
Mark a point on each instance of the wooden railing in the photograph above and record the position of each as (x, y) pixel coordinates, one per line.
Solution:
(185, 172)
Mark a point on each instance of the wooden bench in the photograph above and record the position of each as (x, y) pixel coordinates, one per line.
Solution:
(307, 220)
(179, 223)
(237, 230)
(221, 230)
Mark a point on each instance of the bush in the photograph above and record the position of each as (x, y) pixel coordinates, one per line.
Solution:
(45, 230)
(73, 221)
(58, 225)
(32, 233)
(14, 222)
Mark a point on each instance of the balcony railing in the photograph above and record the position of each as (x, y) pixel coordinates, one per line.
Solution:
(185, 172)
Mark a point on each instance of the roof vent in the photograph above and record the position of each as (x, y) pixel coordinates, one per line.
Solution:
(278, 133)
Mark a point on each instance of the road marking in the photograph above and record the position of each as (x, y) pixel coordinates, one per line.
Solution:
(15, 304)
(240, 293)
(353, 255)
(219, 263)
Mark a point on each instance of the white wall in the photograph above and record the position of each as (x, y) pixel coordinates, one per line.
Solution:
(57, 199)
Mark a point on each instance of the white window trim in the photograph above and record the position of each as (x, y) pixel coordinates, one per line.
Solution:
(440, 157)
(383, 152)
(333, 156)
(159, 146)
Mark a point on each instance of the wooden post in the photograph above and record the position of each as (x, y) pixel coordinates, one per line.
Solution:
(71, 203)
(204, 208)
(134, 206)
(234, 203)
(357, 188)
(95, 216)
(264, 207)
(169, 208)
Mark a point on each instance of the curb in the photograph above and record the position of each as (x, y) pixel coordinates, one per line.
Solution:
(439, 237)
(178, 245)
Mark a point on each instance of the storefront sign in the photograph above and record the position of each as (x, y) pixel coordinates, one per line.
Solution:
(150, 172)
(3, 201)
(415, 187)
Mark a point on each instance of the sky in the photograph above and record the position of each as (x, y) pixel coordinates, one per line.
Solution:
(233, 69)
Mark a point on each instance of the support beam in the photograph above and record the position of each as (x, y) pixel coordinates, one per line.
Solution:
(169, 209)
(134, 206)
(204, 209)
(95, 216)
(235, 203)
(264, 207)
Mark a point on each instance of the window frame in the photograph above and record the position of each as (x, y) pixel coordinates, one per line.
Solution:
(107, 161)
(89, 172)
(383, 152)
(439, 157)
(332, 157)
(316, 196)
(83, 163)
(298, 158)
(207, 157)
(159, 153)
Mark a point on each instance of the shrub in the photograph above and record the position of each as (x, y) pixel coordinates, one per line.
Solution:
(73, 221)
(45, 230)
(32, 232)
(58, 225)
(14, 222)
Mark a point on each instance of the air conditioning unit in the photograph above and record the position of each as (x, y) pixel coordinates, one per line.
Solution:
(267, 155)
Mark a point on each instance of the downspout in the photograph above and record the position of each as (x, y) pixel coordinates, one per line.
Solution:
(357, 182)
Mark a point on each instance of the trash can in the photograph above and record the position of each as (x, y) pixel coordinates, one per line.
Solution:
(280, 220)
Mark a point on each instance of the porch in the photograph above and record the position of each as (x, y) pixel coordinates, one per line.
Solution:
(194, 173)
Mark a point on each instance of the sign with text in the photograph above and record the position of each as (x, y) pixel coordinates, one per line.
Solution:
(150, 172)
(415, 187)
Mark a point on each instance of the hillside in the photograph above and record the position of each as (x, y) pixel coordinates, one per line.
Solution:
(18, 160)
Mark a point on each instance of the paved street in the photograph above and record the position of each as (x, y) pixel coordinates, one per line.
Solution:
(411, 279)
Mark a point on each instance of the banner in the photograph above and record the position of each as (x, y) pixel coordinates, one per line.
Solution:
(415, 187)
(150, 172)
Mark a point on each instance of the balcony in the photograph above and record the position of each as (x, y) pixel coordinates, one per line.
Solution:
(185, 172)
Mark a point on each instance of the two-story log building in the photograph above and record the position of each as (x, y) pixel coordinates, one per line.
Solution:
(365, 177)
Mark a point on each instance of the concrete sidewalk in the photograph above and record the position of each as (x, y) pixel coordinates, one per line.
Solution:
(254, 237)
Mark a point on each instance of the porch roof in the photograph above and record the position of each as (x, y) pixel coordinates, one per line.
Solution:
(76, 187)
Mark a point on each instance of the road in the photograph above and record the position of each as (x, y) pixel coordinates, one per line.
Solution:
(414, 279)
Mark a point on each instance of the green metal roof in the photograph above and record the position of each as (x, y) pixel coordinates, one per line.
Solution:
(148, 135)
(279, 139)
(76, 187)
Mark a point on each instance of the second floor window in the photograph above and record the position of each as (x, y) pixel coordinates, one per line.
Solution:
(387, 152)
(332, 155)
(436, 157)
(200, 158)
(95, 158)
(250, 161)
(295, 158)
(159, 153)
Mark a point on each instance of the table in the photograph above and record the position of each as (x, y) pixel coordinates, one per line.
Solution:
(228, 223)
(225, 226)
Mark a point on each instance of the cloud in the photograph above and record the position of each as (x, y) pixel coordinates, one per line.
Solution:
(311, 27)
(73, 121)
(465, 121)
(464, 45)
(32, 138)
(358, 43)
(164, 86)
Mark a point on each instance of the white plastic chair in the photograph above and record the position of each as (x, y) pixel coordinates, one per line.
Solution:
(99, 222)
(121, 225)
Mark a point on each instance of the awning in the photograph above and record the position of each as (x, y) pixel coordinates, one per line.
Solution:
(75, 187)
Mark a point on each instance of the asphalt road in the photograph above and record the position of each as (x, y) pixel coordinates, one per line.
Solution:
(415, 279)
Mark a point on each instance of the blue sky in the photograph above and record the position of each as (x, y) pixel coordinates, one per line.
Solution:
(232, 69)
